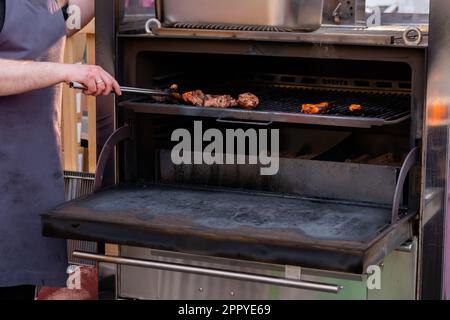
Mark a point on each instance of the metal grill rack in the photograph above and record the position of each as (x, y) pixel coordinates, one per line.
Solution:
(228, 27)
(284, 105)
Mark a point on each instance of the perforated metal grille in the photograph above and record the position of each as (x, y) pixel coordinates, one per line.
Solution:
(228, 27)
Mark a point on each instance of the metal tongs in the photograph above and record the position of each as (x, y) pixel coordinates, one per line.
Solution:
(154, 92)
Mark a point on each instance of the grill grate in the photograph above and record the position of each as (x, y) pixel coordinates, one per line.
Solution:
(228, 27)
(282, 104)
(378, 105)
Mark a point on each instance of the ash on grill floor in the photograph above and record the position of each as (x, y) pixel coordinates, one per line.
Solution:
(210, 210)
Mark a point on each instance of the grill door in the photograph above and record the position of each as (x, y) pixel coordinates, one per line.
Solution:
(240, 225)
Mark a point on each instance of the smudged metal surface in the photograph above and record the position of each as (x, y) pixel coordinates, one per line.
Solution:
(232, 213)
(218, 223)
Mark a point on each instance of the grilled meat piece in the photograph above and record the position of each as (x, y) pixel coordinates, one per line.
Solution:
(248, 101)
(320, 108)
(195, 98)
(355, 108)
(174, 87)
(219, 101)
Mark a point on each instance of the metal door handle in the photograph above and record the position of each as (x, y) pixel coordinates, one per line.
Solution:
(298, 284)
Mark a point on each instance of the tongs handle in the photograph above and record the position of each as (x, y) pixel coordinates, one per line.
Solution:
(79, 86)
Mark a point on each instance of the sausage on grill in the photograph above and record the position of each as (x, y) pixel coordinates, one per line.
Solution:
(355, 108)
(320, 108)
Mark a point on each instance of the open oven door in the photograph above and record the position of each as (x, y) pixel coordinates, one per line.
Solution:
(255, 226)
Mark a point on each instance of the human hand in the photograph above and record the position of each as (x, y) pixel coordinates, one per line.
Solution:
(96, 80)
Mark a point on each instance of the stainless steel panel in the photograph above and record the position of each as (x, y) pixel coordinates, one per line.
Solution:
(298, 14)
(289, 282)
(382, 36)
(398, 272)
(140, 283)
(320, 179)
(345, 13)
(399, 275)
(433, 242)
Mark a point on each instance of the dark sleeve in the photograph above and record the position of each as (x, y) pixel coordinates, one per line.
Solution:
(64, 11)
(2, 14)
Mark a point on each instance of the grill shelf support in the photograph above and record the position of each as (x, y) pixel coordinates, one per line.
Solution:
(410, 161)
(117, 137)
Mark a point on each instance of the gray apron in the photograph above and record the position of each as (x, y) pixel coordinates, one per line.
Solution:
(31, 179)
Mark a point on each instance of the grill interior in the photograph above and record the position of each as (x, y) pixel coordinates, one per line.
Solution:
(283, 86)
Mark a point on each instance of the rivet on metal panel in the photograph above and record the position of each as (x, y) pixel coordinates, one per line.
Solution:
(413, 36)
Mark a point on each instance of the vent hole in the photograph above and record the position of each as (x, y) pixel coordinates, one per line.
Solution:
(405, 85)
(381, 84)
(287, 79)
(267, 78)
(309, 81)
(362, 83)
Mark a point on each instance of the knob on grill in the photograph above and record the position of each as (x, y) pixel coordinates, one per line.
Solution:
(151, 25)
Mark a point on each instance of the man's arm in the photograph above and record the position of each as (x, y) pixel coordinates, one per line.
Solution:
(22, 76)
(87, 11)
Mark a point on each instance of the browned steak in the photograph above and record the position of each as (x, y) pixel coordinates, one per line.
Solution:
(219, 101)
(195, 98)
(248, 101)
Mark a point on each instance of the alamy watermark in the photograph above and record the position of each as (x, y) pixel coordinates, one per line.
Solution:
(374, 277)
(73, 21)
(74, 278)
(231, 148)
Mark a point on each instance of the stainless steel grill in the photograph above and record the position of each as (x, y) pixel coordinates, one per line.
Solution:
(344, 199)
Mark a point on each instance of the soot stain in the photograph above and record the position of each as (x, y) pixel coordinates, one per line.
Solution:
(217, 210)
